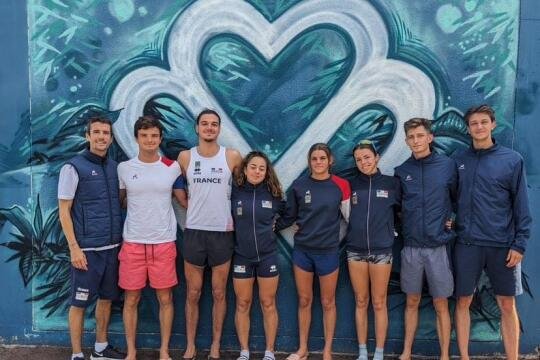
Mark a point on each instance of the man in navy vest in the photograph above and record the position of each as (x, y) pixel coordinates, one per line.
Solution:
(89, 210)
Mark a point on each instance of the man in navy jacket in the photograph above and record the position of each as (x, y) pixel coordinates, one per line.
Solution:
(428, 182)
(493, 225)
(89, 211)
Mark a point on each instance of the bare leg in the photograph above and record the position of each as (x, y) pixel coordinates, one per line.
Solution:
(131, 304)
(220, 274)
(509, 326)
(411, 323)
(359, 274)
(243, 289)
(444, 326)
(304, 289)
(328, 285)
(76, 323)
(103, 315)
(194, 279)
(267, 296)
(463, 325)
(379, 275)
(166, 315)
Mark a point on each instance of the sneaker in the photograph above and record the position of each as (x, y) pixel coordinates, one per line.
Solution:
(110, 353)
(78, 358)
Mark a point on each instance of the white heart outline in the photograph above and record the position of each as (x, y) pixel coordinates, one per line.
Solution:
(402, 88)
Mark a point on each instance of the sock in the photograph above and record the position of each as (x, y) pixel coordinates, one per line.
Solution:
(379, 354)
(99, 347)
(269, 354)
(362, 352)
(73, 356)
(244, 353)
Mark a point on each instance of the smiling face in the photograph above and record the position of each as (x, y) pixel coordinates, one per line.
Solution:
(319, 164)
(208, 127)
(480, 127)
(418, 139)
(255, 170)
(99, 137)
(366, 161)
(148, 140)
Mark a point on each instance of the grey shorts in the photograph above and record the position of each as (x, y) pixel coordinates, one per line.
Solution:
(434, 264)
(210, 248)
(380, 259)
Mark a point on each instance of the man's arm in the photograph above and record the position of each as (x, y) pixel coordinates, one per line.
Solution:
(122, 194)
(78, 259)
(234, 160)
(183, 160)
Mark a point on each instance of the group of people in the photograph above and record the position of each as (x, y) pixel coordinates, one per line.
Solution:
(235, 205)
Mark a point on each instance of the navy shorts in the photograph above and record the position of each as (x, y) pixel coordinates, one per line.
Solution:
(320, 264)
(101, 278)
(246, 269)
(470, 260)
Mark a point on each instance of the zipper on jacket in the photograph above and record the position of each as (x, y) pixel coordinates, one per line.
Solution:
(111, 220)
(472, 199)
(423, 207)
(254, 228)
(367, 217)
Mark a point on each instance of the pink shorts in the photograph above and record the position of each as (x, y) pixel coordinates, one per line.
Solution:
(142, 262)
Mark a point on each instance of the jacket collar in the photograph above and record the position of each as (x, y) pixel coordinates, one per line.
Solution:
(428, 158)
(365, 177)
(96, 159)
(494, 147)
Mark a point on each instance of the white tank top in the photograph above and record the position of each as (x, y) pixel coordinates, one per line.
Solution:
(209, 188)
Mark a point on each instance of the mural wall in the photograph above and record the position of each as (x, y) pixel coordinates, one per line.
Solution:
(284, 74)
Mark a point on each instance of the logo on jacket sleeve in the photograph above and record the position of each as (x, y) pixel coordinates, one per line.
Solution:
(408, 178)
(461, 167)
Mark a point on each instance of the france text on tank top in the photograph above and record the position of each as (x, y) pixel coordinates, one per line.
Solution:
(209, 188)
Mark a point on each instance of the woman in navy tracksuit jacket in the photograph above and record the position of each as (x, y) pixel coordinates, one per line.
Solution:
(370, 236)
(316, 203)
(256, 200)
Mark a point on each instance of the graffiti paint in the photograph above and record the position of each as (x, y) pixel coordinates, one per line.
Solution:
(283, 74)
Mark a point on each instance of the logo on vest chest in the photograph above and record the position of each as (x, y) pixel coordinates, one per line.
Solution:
(94, 173)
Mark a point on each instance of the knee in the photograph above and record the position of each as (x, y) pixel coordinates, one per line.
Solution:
(362, 302)
(413, 301)
(165, 299)
(507, 305)
(218, 294)
(328, 303)
(464, 303)
(378, 303)
(268, 305)
(132, 300)
(243, 305)
(193, 295)
(441, 306)
(304, 301)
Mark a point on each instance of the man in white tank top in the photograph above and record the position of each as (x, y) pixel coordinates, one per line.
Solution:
(208, 237)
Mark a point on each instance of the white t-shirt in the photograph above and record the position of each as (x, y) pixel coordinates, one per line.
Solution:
(150, 216)
(67, 182)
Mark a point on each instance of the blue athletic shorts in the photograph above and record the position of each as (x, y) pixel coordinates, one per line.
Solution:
(320, 264)
(245, 269)
(470, 260)
(101, 278)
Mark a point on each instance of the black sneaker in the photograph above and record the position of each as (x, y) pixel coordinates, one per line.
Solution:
(78, 358)
(110, 353)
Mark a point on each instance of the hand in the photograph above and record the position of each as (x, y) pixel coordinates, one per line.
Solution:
(295, 228)
(78, 259)
(513, 258)
(448, 224)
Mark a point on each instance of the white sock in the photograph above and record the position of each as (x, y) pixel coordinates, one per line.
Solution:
(244, 353)
(269, 354)
(73, 356)
(99, 347)
(379, 354)
(362, 352)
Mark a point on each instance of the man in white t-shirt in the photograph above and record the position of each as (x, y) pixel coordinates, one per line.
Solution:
(149, 249)
(208, 237)
(91, 219)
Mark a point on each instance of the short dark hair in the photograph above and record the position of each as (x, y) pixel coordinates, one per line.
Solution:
(97, 119)
(481, 109)
(147, 122)
(366, 144)
(416, 122)
(208, 112)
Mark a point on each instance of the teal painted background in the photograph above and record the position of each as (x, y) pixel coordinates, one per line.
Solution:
(284, 74)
